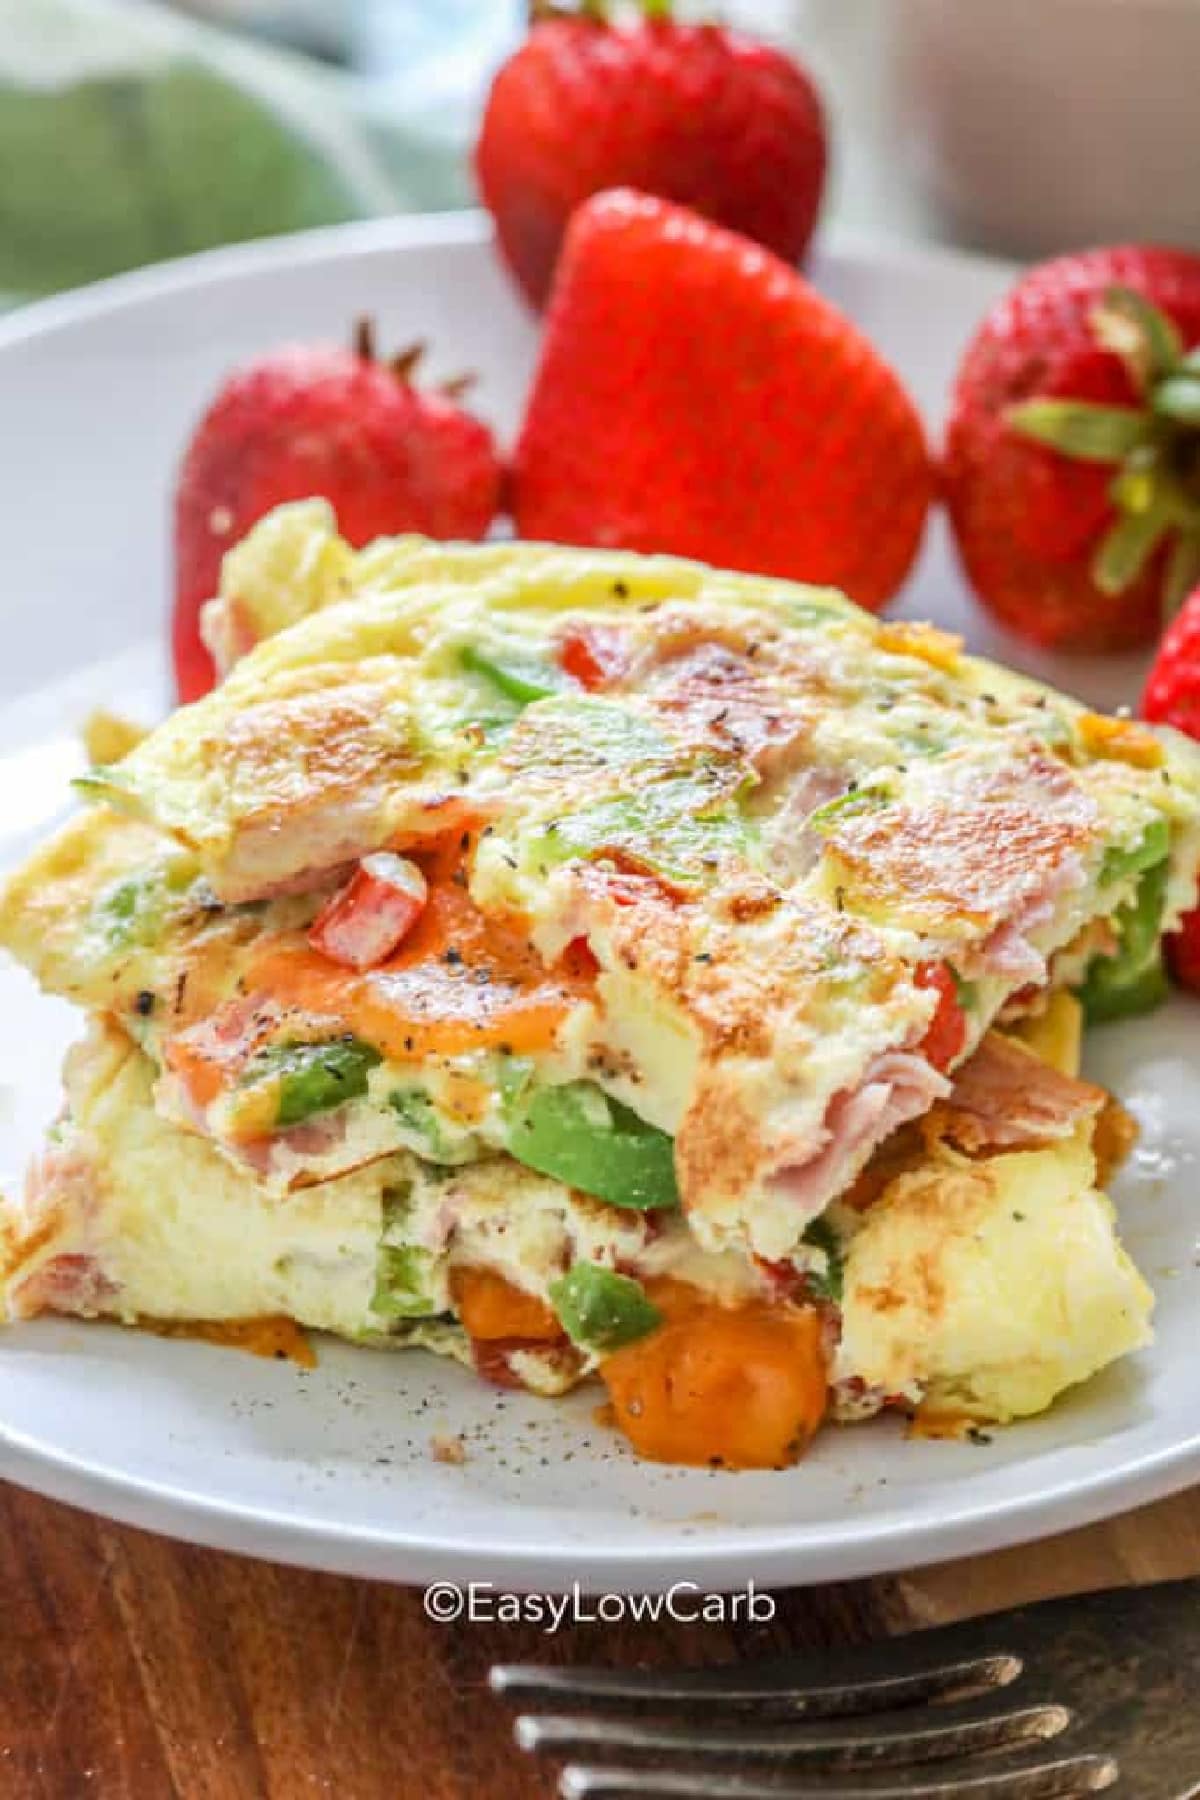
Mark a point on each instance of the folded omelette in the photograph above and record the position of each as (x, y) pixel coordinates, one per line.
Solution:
(587, 963)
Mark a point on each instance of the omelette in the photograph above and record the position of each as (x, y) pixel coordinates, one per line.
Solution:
(582, 963)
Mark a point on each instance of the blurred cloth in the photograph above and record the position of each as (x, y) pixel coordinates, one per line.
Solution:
(129, 133)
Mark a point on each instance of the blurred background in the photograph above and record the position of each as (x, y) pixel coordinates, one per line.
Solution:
(132, 130)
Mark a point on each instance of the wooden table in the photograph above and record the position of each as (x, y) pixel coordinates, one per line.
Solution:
(133, 1668)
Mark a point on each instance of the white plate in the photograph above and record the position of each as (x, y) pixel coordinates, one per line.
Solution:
(97, 392)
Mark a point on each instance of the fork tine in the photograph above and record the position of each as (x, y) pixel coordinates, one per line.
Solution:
(762, 1688)
(911, 1737)
(1074, 1775)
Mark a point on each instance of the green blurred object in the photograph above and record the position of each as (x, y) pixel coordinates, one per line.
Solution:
(129, 134)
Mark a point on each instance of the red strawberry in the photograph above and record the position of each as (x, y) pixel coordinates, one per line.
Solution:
(695, 395)
(1173, 690)
(695, 113)
(1072, 467)
(1183, 952)
(1173, 698)
(316, 420)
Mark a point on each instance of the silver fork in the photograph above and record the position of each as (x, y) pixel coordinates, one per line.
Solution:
(1066, 1697)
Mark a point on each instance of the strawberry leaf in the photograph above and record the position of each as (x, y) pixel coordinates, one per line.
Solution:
(1128, 546)
(1081, 429)
(1146, 340)
(1140, 478)
(1183, 572)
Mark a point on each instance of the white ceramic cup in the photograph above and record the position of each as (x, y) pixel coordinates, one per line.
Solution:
(1035, 126)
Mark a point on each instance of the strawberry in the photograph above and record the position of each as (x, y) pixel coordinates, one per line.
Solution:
(1173, 691)
(696, 113)
(316, 420)
(1072, 466)
(695, 395)
(1173, 698)
(1183, 951)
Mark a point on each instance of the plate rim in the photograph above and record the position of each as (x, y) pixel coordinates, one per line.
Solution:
(780, 1555)
(841, 1552)
(463, 228)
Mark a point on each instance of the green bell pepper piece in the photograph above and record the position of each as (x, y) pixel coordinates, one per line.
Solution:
(581, 1137)
(517, 674)
(400, 1283)
(601, 1310)
(847, 806)
(1147, 854)
(1134, 979)
(313, 1078)
(1105, 996)
(681, 827)
(966, 992)
(821, 1235)
(131, 912)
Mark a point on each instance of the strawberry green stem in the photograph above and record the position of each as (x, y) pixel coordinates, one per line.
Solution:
(596, 12)
(540, 11)
(1154, 447)
(1145, 339)
(1081, 429)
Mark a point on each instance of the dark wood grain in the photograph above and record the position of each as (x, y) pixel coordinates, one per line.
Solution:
(132, 1667)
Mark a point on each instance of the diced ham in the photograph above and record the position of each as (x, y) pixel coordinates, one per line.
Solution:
(61, 1203)
(898, 1086)
(1008, 952)
(1010, 956)
(71, 1283)
(1006, 1098)
(311, 1138)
